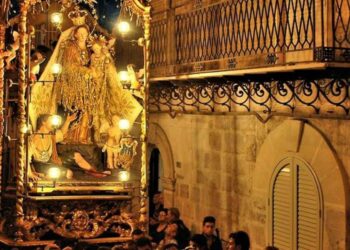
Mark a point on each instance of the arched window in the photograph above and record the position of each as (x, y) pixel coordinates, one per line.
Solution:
(295, 207)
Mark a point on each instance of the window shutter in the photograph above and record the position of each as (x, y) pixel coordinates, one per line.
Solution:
(282, 209)
(308, 208)
(296, 207)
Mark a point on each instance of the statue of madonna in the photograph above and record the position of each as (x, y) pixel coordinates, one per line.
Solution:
(88, 84)
(75, 82)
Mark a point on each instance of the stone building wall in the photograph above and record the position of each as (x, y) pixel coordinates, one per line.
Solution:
(214, 168)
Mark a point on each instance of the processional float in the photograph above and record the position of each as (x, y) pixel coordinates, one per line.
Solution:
(71, 166)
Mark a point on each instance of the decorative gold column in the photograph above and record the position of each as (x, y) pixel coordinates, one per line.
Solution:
(135, 7)
(144, 123)
(21, 119)
(2, 72)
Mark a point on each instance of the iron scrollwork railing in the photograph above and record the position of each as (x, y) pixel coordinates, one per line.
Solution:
(341, 23)
(158, 43)
(251, 32)
(236, 28)
(325, 96)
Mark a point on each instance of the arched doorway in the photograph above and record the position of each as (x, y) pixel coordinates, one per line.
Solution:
(155, 183)
(158, 140)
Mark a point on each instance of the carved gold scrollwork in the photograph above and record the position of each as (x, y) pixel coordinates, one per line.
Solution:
(83, 220)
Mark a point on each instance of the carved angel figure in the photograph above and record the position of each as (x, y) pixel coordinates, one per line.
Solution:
(112, 144)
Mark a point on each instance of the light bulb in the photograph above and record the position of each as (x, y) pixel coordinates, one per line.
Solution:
(124, 76)
(55, 120)
(26, 129)
(56, 69)
(56, 18)
(54, 173)
(123, 175)
(124, 124)
(123, 27)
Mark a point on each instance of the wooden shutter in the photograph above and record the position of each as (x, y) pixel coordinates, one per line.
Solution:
(282, 209)
(308, 210)
(296, 207)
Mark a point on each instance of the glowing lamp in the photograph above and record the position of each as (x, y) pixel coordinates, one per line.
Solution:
(55, 120)
(56, 69)
(56, 18)
(123, 27)
(124, 76)
(124, 124)
(123, 175)
(26, 129)
(54, 173)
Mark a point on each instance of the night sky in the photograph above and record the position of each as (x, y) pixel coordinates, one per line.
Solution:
(107, 10)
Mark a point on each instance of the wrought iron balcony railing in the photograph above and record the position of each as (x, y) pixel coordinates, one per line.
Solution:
(241, 34)
(319, 94)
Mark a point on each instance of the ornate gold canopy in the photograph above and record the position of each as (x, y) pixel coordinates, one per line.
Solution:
(134, 7)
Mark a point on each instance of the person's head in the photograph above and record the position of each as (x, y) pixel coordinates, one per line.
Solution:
(98, 44)
(239, 240)
(66, 244)
(45, 51)
(155, 198)
(171, 246)
(198, 242)
(12, 34)
(173, 214)
(137, 234)
(96, 48)
(35, 60)
(52, 246)
(209, 225)
(162, 215)
(144, 244)
(81, 33)
(44, 122)
(102, 248)
(171, 230)
(82, 246)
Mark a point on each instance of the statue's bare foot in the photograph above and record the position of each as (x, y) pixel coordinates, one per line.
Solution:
(107, 172)
(69, 174)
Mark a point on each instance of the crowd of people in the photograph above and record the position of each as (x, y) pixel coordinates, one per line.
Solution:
(170, 233)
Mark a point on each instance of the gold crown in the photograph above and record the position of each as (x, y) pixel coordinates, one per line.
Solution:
(78, 16)
(99, 40)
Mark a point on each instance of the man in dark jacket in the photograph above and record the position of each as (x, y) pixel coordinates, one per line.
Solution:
(213, 241)
(183, 233)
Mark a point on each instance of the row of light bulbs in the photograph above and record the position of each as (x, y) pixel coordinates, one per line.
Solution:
(56, 121)
(54, 173)
(57, 19)
(56, 70)
(123, 27)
